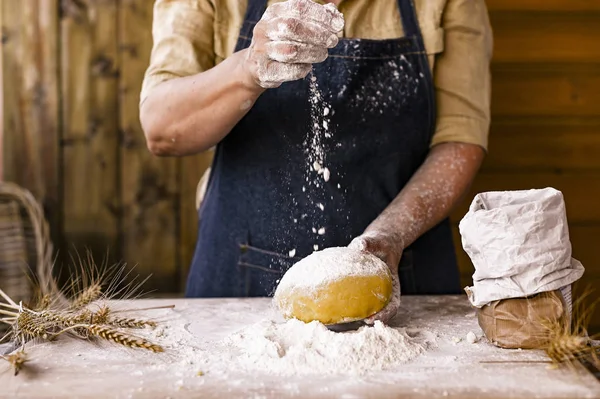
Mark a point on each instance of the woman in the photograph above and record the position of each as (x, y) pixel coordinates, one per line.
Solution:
(364, 133)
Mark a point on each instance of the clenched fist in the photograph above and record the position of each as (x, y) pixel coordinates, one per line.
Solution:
(289, 38)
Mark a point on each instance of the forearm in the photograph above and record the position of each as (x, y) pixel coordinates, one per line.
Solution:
(191, 114)
(431, 194)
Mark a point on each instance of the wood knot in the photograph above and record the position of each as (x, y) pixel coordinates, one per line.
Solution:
(74, 9)
(128, 138)
(129, 49)
(5, 36)
(104, 66)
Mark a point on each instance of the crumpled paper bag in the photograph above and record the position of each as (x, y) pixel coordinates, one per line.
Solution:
(519, 322)
(519, 244)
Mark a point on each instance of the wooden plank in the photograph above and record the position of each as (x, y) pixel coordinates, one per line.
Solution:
(30, 112)
(545, 37)
(588, 285)
(543, 5)
(192, 170)
(2, 94)
(580, 190)
(548, 91)
(149, 185)
(543, 144)
(90, 136)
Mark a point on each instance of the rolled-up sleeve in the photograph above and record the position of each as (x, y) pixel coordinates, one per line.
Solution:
(462, 74)
(183, 41)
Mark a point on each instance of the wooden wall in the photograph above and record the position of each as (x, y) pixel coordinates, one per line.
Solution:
(72, 74)
(546, 115)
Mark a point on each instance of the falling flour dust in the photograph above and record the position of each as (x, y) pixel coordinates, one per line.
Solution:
(317, 171)
(314, 146)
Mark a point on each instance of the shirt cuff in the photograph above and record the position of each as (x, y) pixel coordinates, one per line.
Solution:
(462, 130)
(151, 81)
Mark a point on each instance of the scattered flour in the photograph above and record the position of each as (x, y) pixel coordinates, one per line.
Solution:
(296, 348)
(471, 337)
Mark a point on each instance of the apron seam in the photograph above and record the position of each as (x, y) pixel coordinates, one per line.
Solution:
(263, 268)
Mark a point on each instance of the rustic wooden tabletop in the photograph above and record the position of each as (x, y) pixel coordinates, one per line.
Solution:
(452, 368)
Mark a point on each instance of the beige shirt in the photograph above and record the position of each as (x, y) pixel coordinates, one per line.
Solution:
(192, 36)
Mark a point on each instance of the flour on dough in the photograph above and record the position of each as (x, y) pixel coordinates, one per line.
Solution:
(334, 285)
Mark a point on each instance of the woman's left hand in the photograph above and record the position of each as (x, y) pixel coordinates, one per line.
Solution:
(385, 248)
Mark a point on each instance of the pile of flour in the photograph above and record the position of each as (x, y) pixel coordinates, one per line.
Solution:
(297, 348)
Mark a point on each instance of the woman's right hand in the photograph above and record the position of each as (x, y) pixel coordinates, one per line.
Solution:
(289, 38)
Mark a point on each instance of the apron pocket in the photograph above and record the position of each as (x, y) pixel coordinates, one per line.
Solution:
(262, 269)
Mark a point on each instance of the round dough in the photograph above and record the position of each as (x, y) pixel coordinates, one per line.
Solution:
(334, 285)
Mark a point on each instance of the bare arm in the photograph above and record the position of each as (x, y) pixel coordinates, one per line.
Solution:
(429, 197)
(187, 115)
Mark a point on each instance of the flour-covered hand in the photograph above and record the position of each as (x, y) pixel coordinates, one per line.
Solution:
(289, 38)
(386, 249)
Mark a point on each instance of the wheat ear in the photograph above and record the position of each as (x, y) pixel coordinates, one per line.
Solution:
(28, 326)
(122, 338)
(17, 360)
(567, 343)
(129, 323)
(111, 334)
(87, 296)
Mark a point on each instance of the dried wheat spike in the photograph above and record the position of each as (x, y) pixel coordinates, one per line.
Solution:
(55, 317)
(44, 303)
(110, 334)
(130, 323)
(564, 345)
(17, 360)
(29, 326)
(87, 296)
(61, 319)
(101, 316)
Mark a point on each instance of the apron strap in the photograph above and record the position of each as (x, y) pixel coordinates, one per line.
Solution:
(409, 19)
(254, 12)
(256, 9)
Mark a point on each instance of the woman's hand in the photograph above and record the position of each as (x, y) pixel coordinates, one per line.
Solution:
(289, 38)
(389, 250)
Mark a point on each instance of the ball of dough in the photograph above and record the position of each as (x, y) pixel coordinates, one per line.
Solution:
(334, 285)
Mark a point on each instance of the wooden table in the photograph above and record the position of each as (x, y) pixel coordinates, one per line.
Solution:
(453, 369)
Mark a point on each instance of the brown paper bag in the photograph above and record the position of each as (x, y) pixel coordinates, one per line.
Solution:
(518, 322)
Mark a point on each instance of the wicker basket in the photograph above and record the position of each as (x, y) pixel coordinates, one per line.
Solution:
(25, 245)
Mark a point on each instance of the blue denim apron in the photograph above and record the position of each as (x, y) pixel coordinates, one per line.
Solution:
(260, 214)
